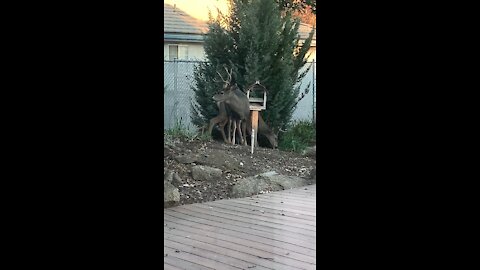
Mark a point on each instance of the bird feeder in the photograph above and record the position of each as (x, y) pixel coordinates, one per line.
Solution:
(257, 97)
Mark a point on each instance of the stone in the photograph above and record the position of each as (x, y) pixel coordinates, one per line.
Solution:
(177, 181)
(205, 173)
(171, 196)
(310, 151)
(283, 182)
(249, 186)
(266, 181)
(267, 174)
(186, 159)
(166, 151)
(313, 173)
(167, 175)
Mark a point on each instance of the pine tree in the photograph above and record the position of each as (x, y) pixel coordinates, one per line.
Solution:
(258, 44)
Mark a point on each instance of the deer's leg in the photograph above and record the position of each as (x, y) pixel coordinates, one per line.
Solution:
(240, 131)
(244, 129)
(234, 129)
(213, 122)
(248, 133)
(222, 130)
(229, 129)
(218, 119)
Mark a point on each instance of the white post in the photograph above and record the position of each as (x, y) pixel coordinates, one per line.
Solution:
(253, 139)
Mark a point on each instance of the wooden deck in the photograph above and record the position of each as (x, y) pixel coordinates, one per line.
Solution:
(269, 231)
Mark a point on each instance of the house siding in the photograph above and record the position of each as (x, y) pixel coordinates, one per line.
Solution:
(195, 50)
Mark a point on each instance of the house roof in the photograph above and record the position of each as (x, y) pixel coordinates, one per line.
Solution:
(179, 26)
(305, 29)
(177, 21)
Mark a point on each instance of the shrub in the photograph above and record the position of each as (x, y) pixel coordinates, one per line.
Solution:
(179, 131)
(298, 136)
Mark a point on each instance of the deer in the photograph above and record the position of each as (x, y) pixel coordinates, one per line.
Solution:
(221, 119)
(265, 130)
(237, 109)
(226, 115)
(229, 105)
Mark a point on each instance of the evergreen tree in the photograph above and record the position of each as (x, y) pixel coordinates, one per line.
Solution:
(258, 44)
(298, 5)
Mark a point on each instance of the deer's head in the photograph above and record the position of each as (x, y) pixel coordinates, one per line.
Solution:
(227, 89)
(226, 82)
(225, 93)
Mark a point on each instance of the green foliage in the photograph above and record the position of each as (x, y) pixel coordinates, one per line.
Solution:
(203, 137)
(297, 5)
(180, 132)
(298, 136)
(204, 108)
(259, 44)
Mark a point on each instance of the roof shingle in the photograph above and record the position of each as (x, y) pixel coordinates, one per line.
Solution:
(177, 21)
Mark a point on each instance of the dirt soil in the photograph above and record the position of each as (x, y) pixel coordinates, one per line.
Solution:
(235, 161)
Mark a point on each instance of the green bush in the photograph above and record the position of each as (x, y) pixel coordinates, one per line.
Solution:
(179, 131)
(299, 135)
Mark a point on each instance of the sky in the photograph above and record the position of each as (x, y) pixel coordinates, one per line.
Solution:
(199, 8)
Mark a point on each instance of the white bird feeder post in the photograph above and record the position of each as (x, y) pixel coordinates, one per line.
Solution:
(256, 105)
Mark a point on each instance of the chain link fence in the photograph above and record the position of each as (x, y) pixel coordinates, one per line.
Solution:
(178, 94)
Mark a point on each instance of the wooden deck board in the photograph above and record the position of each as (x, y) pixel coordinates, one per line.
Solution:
(285, 197)
(179, 262)
(284, 202)
(278, 235)
(255, 239)
(234, 220)
(274, 220)
(167, 266)
(223, 252)
(269, 231)
(189, 231)
(294, 221)
(273, 209)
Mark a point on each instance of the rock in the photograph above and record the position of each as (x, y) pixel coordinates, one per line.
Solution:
(200, 172)
(313, 173)
(166, 151)
(310, 151)
(177, 181)
(171, 196)
(267, 181)
(176, 149)
(287, 182)
(249, 186)
(185, 159)
(270, 173)
(167, 175)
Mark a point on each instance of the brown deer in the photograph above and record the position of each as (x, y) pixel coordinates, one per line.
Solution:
(227, 115)
(222, 119)
(233, 109)
(264, 130)
(237, 107)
